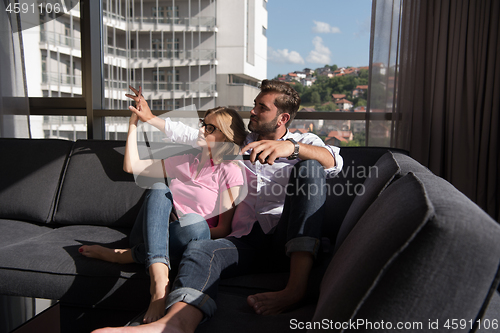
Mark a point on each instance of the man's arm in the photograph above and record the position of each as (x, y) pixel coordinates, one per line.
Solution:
(273, 149)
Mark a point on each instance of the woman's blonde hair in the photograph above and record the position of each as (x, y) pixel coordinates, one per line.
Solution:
(232, 126)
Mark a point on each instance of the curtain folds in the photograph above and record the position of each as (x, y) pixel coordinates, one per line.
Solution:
(447, 96)
(14, 104)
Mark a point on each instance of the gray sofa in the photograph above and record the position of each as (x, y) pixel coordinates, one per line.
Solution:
(400, 245)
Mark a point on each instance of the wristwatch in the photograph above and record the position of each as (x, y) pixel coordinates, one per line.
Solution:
(295, 153)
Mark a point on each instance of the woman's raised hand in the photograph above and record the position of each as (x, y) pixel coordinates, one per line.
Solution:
(141, 108)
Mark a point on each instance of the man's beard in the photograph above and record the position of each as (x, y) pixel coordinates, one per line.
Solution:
(263, 129)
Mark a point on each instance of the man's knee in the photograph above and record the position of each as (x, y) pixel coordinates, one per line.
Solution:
(308, 169)
(208, 249)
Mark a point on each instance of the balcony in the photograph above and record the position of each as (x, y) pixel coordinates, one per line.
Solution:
(154, 86)
(57, 39)
(60, 79)
(146, 23)
(203, 56)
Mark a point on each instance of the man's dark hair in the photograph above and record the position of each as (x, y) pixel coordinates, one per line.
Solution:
(288, 99)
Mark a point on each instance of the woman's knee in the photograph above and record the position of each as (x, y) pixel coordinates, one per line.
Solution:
(159, 191)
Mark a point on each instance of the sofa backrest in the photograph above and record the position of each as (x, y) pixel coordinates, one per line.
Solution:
(422, 251)
(30, 171)
(95, 189)
(342, 189)
(390, 167)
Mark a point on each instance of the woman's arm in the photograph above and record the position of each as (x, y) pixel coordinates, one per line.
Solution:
(227, 208)
(132, 163)
(176, 131)
(143, 111)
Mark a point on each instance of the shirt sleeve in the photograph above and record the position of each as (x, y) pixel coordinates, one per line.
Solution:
(181, 133)
(232, 175)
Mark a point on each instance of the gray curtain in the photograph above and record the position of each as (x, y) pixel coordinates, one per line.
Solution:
(14, 105)
(447, 92)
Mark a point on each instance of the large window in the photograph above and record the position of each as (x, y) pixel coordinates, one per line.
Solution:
(177, 54)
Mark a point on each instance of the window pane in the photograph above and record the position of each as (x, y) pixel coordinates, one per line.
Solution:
(52, 51)
(167, 50)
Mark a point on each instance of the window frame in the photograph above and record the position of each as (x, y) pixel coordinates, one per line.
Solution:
(91, 104)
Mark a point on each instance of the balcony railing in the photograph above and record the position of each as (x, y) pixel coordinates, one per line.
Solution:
(116, 51)
(203, 86)
(204, 54)
(62, 79)
(197, 21)
(202, 21)
(57, 39)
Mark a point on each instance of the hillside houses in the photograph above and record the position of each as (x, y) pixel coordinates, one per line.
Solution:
(343, 104)
(308, 75)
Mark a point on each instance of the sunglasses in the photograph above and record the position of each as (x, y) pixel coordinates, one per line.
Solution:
(209, 128)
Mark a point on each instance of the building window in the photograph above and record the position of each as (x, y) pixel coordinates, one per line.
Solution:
(172, 47)
(159, 76)
(156, 46)
(165, 14)
(170, 76)
(264, 4)
(264, 31)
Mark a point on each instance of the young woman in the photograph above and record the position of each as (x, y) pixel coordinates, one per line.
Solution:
(199, 203)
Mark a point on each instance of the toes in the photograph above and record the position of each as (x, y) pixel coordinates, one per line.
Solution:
(251, 300)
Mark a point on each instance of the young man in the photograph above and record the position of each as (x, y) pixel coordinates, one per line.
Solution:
(282, 165)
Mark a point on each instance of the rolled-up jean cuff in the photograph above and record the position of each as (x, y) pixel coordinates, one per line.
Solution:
(159, 259)
(195, 298)
(303, 244)
(134, 255)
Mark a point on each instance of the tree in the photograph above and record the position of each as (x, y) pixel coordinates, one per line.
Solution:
(360, 102)
(315, 98)
(298, 87)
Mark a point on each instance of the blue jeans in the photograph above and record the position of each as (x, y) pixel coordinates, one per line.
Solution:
(156, 239)
(299, 229)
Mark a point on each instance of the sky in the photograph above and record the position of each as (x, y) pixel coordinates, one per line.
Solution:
(312, 33)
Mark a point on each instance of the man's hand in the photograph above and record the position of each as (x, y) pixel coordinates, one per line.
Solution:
(269, 150)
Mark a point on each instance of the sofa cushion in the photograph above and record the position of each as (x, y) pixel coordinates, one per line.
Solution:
(31, 170)
(96, 190)
(490, 321)
(13, 232)
(390, 167)
(343, 187)
(421, 251)
(48, 265)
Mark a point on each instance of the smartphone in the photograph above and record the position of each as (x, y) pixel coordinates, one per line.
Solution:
(239, 157)
(236, 157)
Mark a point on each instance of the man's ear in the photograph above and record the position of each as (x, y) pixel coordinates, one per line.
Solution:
(283, 118)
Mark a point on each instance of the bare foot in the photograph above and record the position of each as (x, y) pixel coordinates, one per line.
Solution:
(103, 253)
(273, 303)
(159, 290)
(156, 327)
(181, 318)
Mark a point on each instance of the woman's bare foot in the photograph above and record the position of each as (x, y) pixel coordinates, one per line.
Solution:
(181, 318)
(120, 256)
(159, 290)
(272, 303)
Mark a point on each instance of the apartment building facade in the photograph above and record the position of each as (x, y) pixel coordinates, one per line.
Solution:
(181, 52)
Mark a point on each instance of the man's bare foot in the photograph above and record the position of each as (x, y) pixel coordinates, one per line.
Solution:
(120, 256)
(273, 303)
(159, 290)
